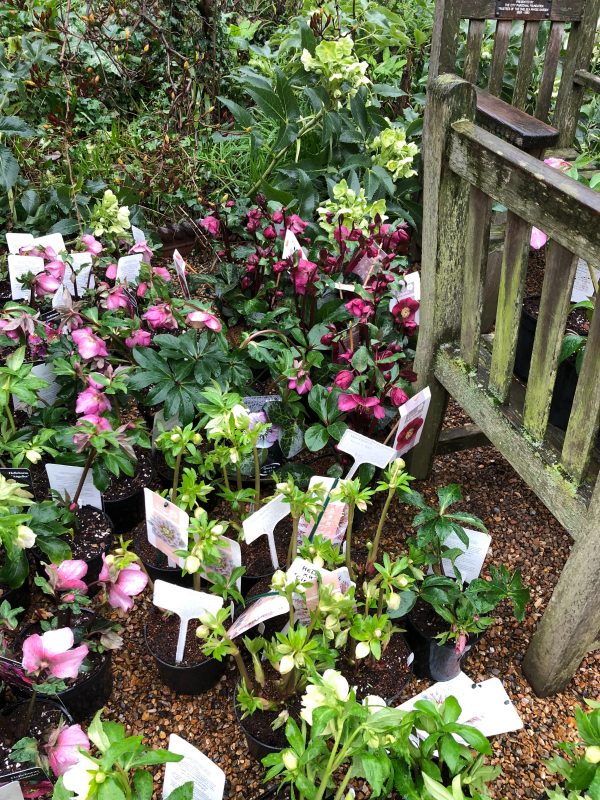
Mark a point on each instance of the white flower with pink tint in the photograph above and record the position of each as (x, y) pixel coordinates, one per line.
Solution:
(67, 575)
(63, 748)
(122, 584)
(92, 245)
(53, 652)
(138, 338)
(202, 319)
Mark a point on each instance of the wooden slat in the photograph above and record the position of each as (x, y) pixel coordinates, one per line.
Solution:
(510, 302)
(444, 38)
(525, 69)
(454, 440)
(473, 49)
(565, 209)
(503, 29)
(553, 49)
(587, 79)
(559, 275)
(512, 124)
(585, 414)
(561, 10)
(476, 254)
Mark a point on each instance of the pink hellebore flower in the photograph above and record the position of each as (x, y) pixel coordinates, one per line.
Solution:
(303, 274)
(211, 225)
(359, 308)
(538, 237)
(45, 284)
(117, 298)
(91, 401)
(344, 378)
(122, 584)
(111, 272)
(52, 651)
(56, 269)
(202, 319)
(88, 344)
(162, 272)
(461, 643)
(160, 316)
(67, 575)
(295, 224)
(138, 338)
(398, 396)
(92, 245)
(404, 311)
(63, 748)
(301, 382)
(141, 289)
(100, 423)
(356, 402)
(142, 247)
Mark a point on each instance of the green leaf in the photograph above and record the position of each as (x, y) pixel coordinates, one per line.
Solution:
(15, 126)
(183, 792)
(435, 789)
(571, 343)
(375, 767)
(359, 112)
(142, 785)
(240, 114)
(110, 790)
(448, 495)
(96, 733)
(9, 168)
(30, 202)
(316, 437)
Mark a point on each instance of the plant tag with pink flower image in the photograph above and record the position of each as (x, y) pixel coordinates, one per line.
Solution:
(15, 241)
(54, 241)
(128, 268)
(166, 525)
(80, 273)
(263, 522)
(412, 419)
(411, 290)
(258, 404)
(180, 269)
(332, 523)
(291, 245)
(65, 479)
(207, 777)
(35, 780)
(305, 572)
(364, 451)
(187, 604)
(18, 267)
(267, 607)
(47, 395)
(583, 288)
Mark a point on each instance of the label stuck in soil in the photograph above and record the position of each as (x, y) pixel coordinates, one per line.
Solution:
(263, 522)
(187, 604)
(139, 237)
(365, 451)
(583, 287)
(167, 526)
(15, 241)
(469, 564)
(332, 524)
(412, 419)
(18, 267)
(231, 558)
(265, 608)
(207, 777)
(411, 290)
(65, 480)
(81, 271)
(291, 245)
(11, 791)
(128, 268)
(305, 572)
(257, 404)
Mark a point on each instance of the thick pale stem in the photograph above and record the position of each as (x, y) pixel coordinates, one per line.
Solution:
(226, 480)
(84, 474)
(238, 477)
(256, 479)
(237, 657)
(373, 554)
(176, 472)
(197, 581)
(293, 542)
(349, 540)
(11, 419)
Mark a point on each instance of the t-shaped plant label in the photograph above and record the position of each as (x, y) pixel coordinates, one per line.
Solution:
(291, 245)
(180, 269)
(364, 451)
(187, 604)
(267, 607)
(332, 523)
(263, 522)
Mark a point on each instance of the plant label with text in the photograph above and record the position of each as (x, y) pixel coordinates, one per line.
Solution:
(166, 526)
(469, 563)
(139, 237)
(18, 267)
(364, 451)
(80, 273)
(207, 777)
(305, 572)
(412, 419)
(187, 604)
(272, 605)
(332, 523)
(263, 522)
(128, 268)
(15, 241)
(291, 245)
(18, 474)
(583, 286)
(411, 289)
(65, 479)
(11, 791)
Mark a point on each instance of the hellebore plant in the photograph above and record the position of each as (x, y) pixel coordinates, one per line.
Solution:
(58, 751)
(578, 767)
(17, 379)
(395, 481)
(15, 534)
(351, 493)
(308, 504)
(179, 445)
(205, 543)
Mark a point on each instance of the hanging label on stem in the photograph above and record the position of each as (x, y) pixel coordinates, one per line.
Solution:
(332, 523)
(207, 777)
(412, 419)
(18, 267)
(139, 237)
(65, 479)
(166, 525)
(272, 605)
(411, 290)
(180, 269)
(128, 268)
(263, 522)
(364, 451)
(305, 572)
(291, 245)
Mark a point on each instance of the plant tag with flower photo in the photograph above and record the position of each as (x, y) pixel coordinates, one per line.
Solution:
(470, 562)
(65, 479)
(180, 269)
(15, 241)
(48, 395)
(305, 572)
(583, 287)
(81, 271)
(128, 268)
(332, 523)
(18, 474)
(263, 522)
(364, 451)
(138, 235)
(367, 266)
(258, 404)
(207, 777)
(54, 241)
(166, 526)
(18, 267)
(412, 419)
(291, 245)
(187, 604)
(411, 290)
(267, 607)
(231, 558)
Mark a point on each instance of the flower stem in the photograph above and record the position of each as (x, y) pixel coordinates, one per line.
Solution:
(256, 479)
(11, 419)
(197, 581)
(293, 542)
(373, 554)
(226, 479)
(238, 477)
(237, 657)
(343, 784)
(349, 540)
(176, 472)
(84, 474)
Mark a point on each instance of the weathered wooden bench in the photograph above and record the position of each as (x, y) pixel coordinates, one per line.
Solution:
(466, 166)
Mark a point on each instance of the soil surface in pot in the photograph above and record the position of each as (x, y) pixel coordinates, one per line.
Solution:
(44, 719)
(426, 621)
(386, 677)
(256, 557)
(94, 533)
(259, 724)
(146, 551)
(125, 486)
(162, 631)
(577, 321)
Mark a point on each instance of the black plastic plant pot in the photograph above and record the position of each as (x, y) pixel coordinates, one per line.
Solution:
(126, 512)
(168, 574)
(256, 747)
(190, 680)
(566, 375)
(250, 581)
(439, 662)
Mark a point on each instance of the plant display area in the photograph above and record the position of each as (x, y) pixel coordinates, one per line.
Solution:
(218, 576)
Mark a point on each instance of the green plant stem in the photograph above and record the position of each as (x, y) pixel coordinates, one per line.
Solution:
(176, 472)
(293, 542)
(28, 714)
(237, 657)
(380, 601)
(11, 419)
(86, 469)
(197, 581)
(373, 554)
(343, 784)
(349, 540)
(238, 477)
(256, 479)
(226, 479)
(329, 768)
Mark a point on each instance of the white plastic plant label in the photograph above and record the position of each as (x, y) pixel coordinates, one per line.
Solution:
(139, 237)
(305, 572)
(411, 289)
(18, 267)
(344, 287)
(272, 605)
(80, 273)
(583, 287)
(470, 563)
(62, 299)
(128, 268)
(15, 241)
(333, 522)
(49, 394)
(291, 245)
(54, 241)
(364, 451)
(412, 419)
(166, 526)
(65, 480)
(263, 522)
(187, 604)
(11, 791)
(180, 269)
(207, 777)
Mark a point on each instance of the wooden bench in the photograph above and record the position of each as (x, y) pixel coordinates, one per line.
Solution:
(466, 166)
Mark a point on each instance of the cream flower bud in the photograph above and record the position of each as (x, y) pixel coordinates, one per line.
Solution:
(33, 456)
(202, 631)
(192, 564)
(318, 562)
(289, 760)
(218, 529)
(592, 754)
(25, 537)
(403, 581)
(278, 579)
(286, 665)
(175, 437)
(362, 650)
(393, 601)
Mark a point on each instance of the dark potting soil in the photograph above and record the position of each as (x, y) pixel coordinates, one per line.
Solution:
(256, 557)
(162, 631)
(93, 534)
(577, 321)
(426, 621)
(44, 719)
(259, 724)
(147, 552)
(125, 486)
(386, 677)
(39, 480)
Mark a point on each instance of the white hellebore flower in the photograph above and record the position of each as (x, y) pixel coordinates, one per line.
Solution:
(335, 680)
(33, 456)
(278, 579)
(80, 777)
(362, 649)
(334, 686)
(286, 664)
(192, 564)
(394, 601)
(25, 537)
(373, 702)
(289, 759)
(241, 416)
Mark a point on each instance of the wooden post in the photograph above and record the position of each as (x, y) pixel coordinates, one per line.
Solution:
(571, 621)
(445, 205)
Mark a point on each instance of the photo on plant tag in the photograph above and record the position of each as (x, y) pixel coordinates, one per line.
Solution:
(166, 524)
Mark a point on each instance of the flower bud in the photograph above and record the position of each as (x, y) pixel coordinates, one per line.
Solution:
(378, 633)
(403, 581)
(394, 601)
(100, 777)
(362, 650)
(218, 529)
(192, 564)
(33, 456)
(175, 437)
(202, 631)
(110, 559)
(278, 579)
(289, 760)
(318, 562)
(197, 439)
(25, 537)
(592, 754)
(286, 665)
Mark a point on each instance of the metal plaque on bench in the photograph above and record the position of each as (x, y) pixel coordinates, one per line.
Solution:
(523, 9)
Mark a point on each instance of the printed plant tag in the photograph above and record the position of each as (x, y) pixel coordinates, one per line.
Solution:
(272, 605)
(469, 564)
(35, 780)
(263, 522)
(187, 604)
(82, 267)
(11, 791)
(344, 287)
(207, 777)
(128, 268)
(166, 525)
(412, 419)
(138, 235)
(53, 240)
(305, 572)
(47, 395)
(256, 404)
(180, 269)
(412, 289)
(334, 520)
(364, 451)
(18, 267)
(231, 558)
(65, 480)
(62, 299)
(583, 288)
(291, 245)
(15, 241)
(19, 475)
